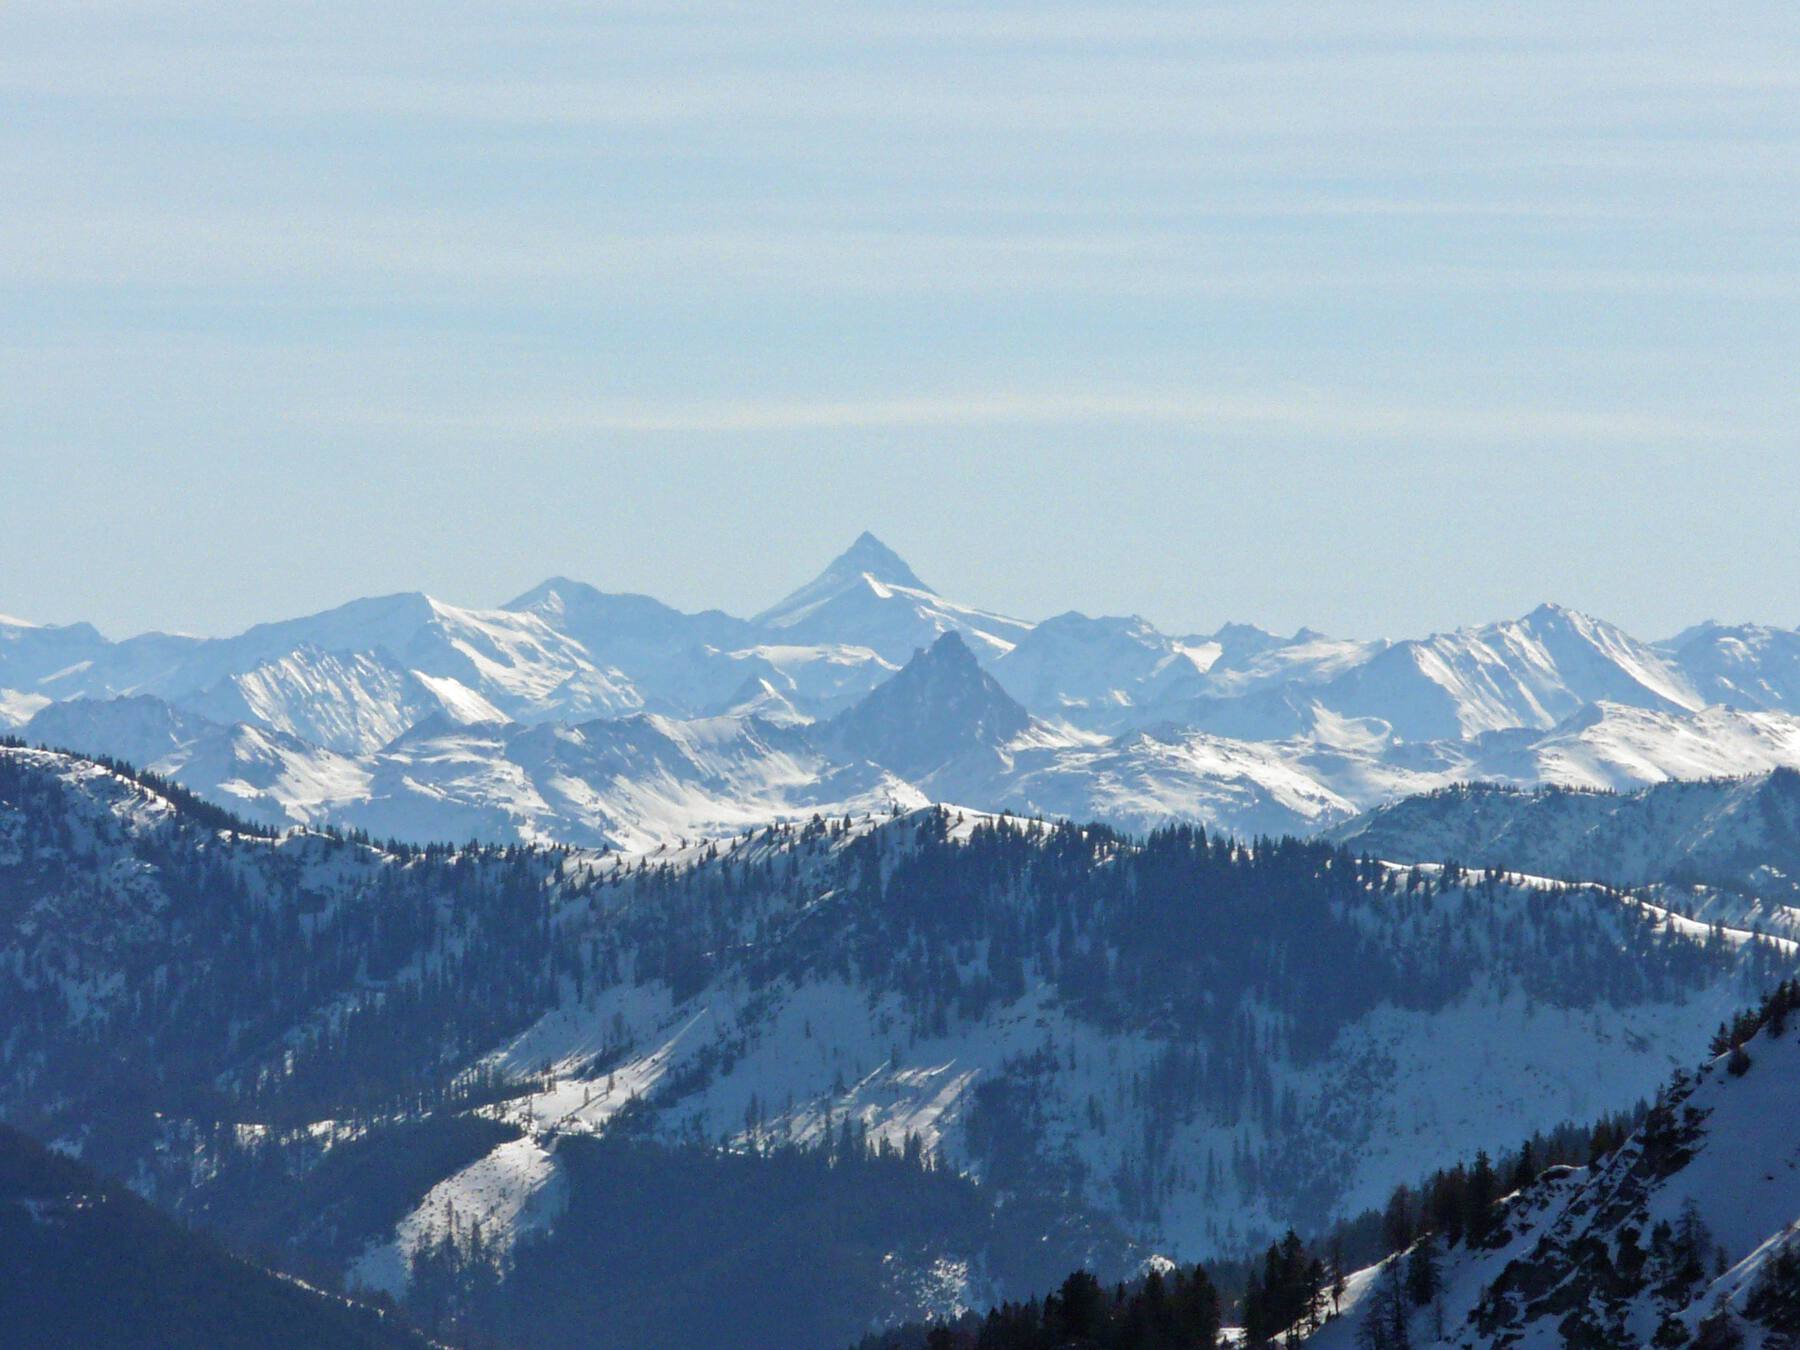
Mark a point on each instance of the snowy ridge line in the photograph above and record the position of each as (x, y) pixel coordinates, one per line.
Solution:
(616, 864)
(1697, 929)
(1740, 835)
(1683, 923)
(965, 820)
(640, 780)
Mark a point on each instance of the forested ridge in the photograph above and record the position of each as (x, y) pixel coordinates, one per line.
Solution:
(321, 976)
(279, 1006)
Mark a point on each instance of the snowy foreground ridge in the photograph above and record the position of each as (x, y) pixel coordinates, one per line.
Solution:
(577, 716)
(1688, 1235)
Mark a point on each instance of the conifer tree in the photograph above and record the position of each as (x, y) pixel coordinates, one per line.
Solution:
(1424, 1276)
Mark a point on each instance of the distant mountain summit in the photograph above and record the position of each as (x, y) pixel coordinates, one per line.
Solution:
(942, 707)
(1073, 665)
(869, 597)
(866, 560)
(1746, 665)
(1528, 672)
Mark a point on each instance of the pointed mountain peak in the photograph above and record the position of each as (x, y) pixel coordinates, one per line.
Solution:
(946, 665)
(553, 595)
(949, 652)
(940, 707)
(1550, 612)
(867, 557)
(1550, 617)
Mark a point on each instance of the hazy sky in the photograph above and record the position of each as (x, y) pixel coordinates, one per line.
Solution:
(1381, 318)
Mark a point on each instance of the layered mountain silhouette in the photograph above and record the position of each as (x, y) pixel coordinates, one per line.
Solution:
(410, 714)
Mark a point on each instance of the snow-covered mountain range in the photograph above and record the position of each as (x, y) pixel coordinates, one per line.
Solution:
(575, 715)
(766, 935)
